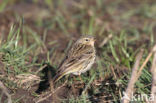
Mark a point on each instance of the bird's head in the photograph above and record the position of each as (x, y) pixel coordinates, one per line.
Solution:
(87, 40)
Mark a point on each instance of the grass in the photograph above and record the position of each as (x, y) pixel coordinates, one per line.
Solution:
(29, 46)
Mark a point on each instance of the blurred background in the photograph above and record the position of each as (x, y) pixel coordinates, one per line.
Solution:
(38, 32)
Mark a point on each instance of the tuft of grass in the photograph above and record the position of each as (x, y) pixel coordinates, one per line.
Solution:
(13, 55)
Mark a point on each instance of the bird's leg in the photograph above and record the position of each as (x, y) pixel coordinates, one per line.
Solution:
(73, 88)
(74, 77)
(80, 78)
(67, 77)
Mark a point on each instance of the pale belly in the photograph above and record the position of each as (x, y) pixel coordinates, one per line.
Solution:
(86, 68)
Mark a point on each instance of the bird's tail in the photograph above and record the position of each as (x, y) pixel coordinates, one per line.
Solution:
(58, 77)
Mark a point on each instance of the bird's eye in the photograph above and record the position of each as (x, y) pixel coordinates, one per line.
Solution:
(87, 39)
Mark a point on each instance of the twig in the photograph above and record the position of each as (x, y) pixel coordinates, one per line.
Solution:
(5, 91)
(113, 72)
(135, 75)
(146, 60)
(52, 93)
(41, 68)
(60, 86)
(105, 40)
(115, 78)
(127, 96)
(144, 63)
(153, 71)
(43, 98)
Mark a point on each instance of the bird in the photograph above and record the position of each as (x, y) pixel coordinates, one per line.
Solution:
(79, 59)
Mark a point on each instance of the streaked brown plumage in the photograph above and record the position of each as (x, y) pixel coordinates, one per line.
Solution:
(79, 59)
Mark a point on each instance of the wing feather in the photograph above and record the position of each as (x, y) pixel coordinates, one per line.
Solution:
(76, 56)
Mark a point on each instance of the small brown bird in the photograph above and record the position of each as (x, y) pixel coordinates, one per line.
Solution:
(79, 59)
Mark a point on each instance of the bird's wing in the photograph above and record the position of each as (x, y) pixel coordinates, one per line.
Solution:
(73, 61)
(75, 56)
(79, 49)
